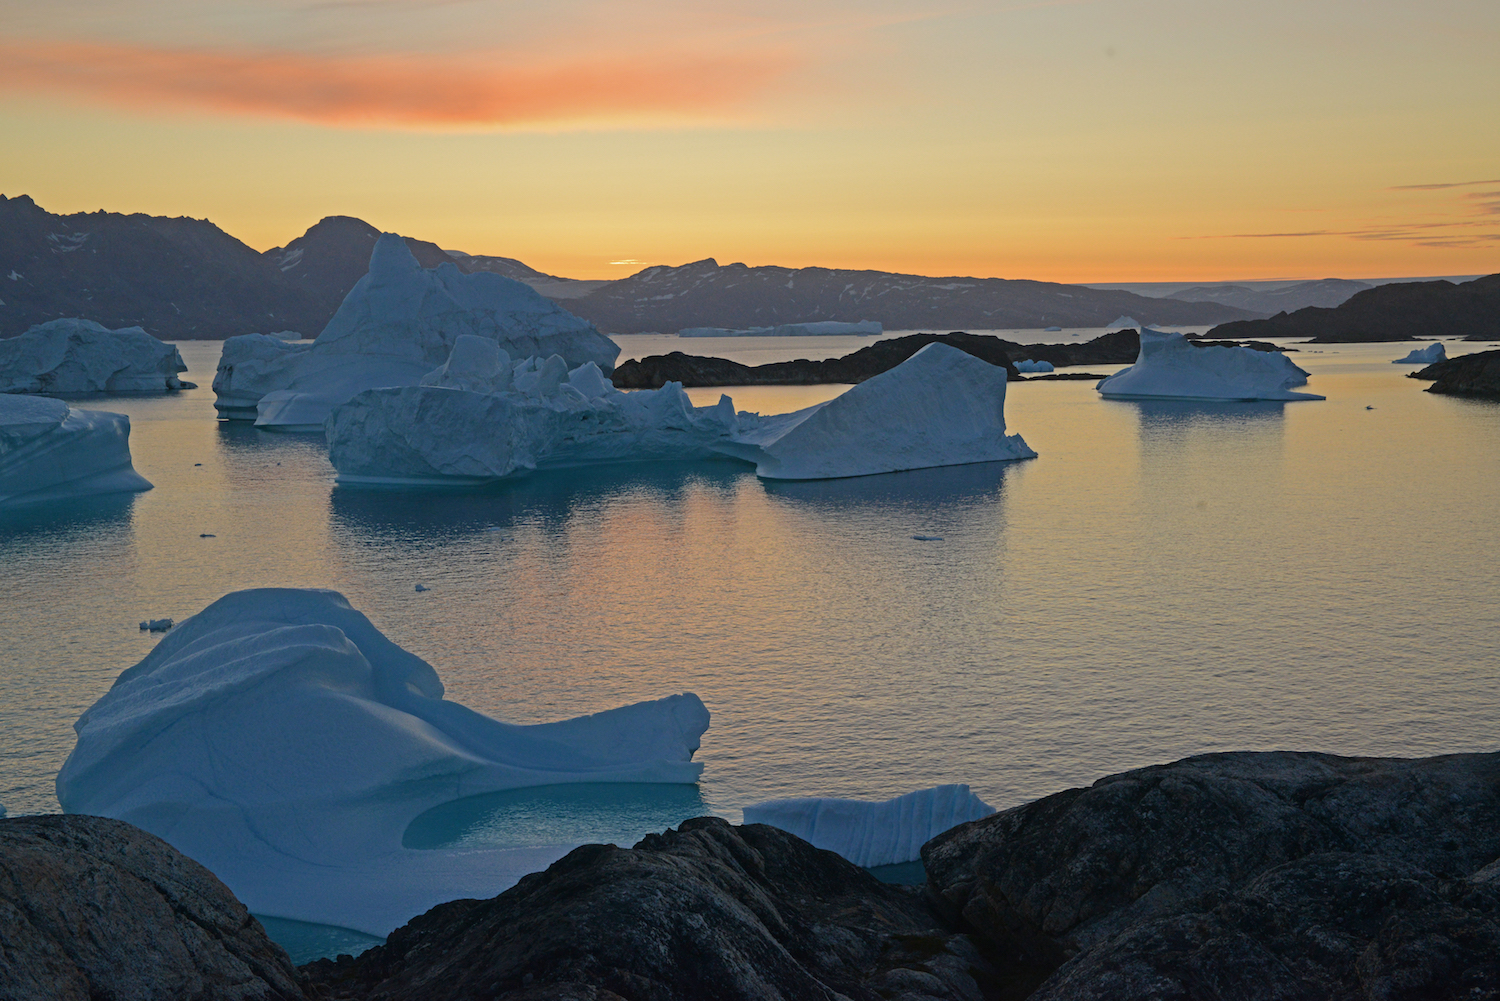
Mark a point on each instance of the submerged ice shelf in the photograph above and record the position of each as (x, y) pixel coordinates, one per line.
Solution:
(281, 740)
(1171, 367)
(478, 418)
(50, 452)
(397, 324)
(873, 834)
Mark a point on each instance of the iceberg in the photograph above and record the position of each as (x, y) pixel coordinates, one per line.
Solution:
(940, 407)
(81, 356)
(1170, 367)
(1424, 356)
(281, 740)
(50, 451)
(397, 324)
(1028, 366)
(871, 834)
(1120, 322)
(476, 420)
(824, 328)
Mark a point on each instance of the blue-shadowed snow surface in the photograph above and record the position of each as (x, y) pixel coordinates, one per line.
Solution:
(1168, 578)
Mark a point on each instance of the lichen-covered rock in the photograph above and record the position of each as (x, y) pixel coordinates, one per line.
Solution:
(1243, 875)
(92, 908)
(706, 912)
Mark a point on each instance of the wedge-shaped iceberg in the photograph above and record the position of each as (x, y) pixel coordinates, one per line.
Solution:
(1170, 367)
(398, 323)
(51, 452)
(871, 834)
(940, 407)
(281, 740)
(1434, 352)
(81, 356)
(477, 419)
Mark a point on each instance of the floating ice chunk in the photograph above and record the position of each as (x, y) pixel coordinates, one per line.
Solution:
(940, 407)
(1051, 330)
(421, 588)
(871, 834)
(928, 538)
(396, 325)
(1434, 352)
(1170, 367)
(281, 740)
(156, 625)
(49, 452)
(81, 356)
(1028, 366)
(823, 328)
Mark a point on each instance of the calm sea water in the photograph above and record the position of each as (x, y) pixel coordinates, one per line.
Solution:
(1167, 578)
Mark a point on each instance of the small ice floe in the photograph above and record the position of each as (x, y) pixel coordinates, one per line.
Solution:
(1051, 328)
(156, 625)
(207, 535)
(197, 463)
(1369, 408)
(1424, 356)
(423, 587)
(1028, 366)
(928, 538)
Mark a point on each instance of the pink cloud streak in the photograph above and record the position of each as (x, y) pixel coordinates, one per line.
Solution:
(432, 91)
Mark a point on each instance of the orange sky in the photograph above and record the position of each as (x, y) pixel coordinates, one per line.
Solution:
(1068, 141)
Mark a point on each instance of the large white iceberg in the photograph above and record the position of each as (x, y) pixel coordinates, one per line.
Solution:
(871, 834)
(815, 328)
(398, 323)
(50, 452)
(478, 419)
(1170, 367)
(1434, 352)
(281, 740)
(81, 356)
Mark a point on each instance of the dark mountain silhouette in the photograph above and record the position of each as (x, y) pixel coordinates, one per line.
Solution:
(704, 294)
(1402, 311)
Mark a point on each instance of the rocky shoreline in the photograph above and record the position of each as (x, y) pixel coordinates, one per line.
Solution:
(1477, 374)
(1240, 875)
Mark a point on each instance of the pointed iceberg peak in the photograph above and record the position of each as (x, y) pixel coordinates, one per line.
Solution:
(392, 259)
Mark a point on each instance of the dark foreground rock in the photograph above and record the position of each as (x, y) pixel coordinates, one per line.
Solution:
(706, 912)
(1401, 311)
(1477, 374)
(1245, 875)
(97, 909)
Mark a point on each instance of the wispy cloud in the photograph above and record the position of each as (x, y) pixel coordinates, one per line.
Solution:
(1439, 187)
(429, 91)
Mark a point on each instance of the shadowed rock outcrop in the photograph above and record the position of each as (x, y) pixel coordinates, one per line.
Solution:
(1401, 311)
(97, 910)
(1477, 374)
(706, 912)
(1274, 875)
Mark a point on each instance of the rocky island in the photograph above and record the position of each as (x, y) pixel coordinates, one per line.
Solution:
(1477, 374)
(1401, 311)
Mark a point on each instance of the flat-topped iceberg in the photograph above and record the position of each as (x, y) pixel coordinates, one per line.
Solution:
(478, 418)
(1170, 367)
(81, 356)
(281, 740)
(871, 834)
(1424, 356)
(50, 451)
(815, 328)
(398, 323)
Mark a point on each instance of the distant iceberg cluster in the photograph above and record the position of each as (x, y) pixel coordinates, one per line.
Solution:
(81, 356)
(50, 451)
(479, 417)
(825, 328)
(1434, 352)
(281, 740)
(1169, 367)
(871, 834)
(395, 326)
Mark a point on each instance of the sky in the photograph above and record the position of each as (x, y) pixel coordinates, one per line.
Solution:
(1070, 140)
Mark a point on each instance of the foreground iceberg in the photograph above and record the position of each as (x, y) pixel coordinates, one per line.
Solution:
(281, 740)
(1424, 356)
(50, 452)
(871, 834)
(816, 328)
(396, 325)
(81, 356)
(1168, 366)
(478, 419)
